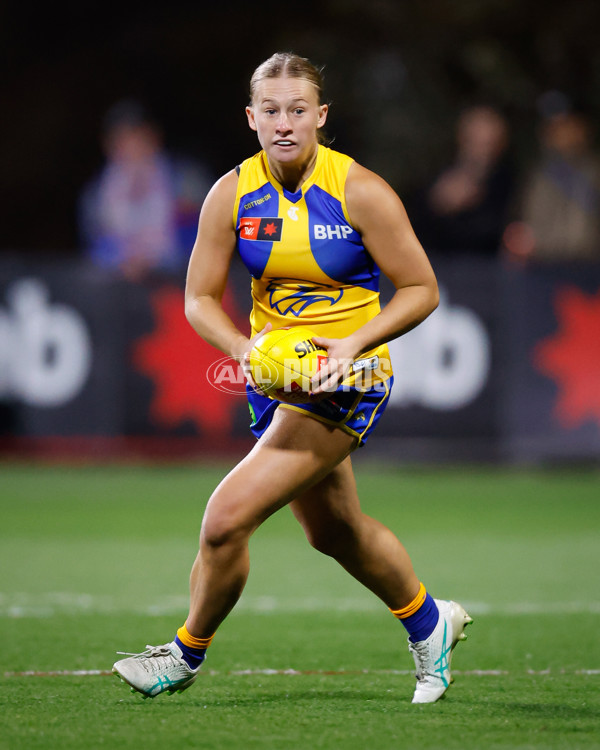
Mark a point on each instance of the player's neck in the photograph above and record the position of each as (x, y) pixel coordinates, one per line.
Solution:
(293, 175)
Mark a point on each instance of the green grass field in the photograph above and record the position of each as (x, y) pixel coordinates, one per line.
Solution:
(95, 560)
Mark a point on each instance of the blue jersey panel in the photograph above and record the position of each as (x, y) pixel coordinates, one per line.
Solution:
(292, 197)
(263, 202)
(336, 246)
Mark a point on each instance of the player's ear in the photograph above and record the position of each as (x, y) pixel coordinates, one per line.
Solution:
(323, 110)
(251, 120)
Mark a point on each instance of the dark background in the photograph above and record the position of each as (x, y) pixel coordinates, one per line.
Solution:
(397, 74)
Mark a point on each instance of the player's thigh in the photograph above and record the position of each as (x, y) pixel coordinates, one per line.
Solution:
(295, 453)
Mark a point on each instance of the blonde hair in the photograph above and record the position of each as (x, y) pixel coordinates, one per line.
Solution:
(283, 64)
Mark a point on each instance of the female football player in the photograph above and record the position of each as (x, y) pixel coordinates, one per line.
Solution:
(314, 229)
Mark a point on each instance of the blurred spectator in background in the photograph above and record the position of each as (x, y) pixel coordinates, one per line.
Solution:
(140, 213)
(464, 210)
(559, 208)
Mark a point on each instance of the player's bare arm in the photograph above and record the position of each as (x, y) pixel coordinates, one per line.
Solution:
(209, 269)
(378, 214)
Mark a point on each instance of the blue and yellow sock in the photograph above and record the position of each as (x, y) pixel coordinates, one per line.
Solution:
(193, 649)
(419, 617)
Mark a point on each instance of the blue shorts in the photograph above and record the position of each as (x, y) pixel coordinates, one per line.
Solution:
(355, 412)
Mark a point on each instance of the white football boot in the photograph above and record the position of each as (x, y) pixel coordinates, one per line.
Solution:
(433, 655)
(157, 670)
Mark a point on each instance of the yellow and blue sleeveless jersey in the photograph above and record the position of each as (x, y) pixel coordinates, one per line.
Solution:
(308, 264)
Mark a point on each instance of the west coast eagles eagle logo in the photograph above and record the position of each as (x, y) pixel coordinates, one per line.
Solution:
(293, 296)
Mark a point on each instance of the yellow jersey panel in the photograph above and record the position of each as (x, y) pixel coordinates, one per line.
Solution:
(308, 264)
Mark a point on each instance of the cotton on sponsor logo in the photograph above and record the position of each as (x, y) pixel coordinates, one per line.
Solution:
(444, 363)
(45, 348)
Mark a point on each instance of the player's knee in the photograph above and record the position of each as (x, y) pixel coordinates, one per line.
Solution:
(217, 533)
(221, 528)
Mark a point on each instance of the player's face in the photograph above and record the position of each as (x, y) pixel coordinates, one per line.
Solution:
(286, 115)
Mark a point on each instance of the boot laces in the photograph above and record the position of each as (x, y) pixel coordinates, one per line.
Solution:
(420, 653)
(154, 658)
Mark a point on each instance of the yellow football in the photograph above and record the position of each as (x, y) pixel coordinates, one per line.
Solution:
(283, 361)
